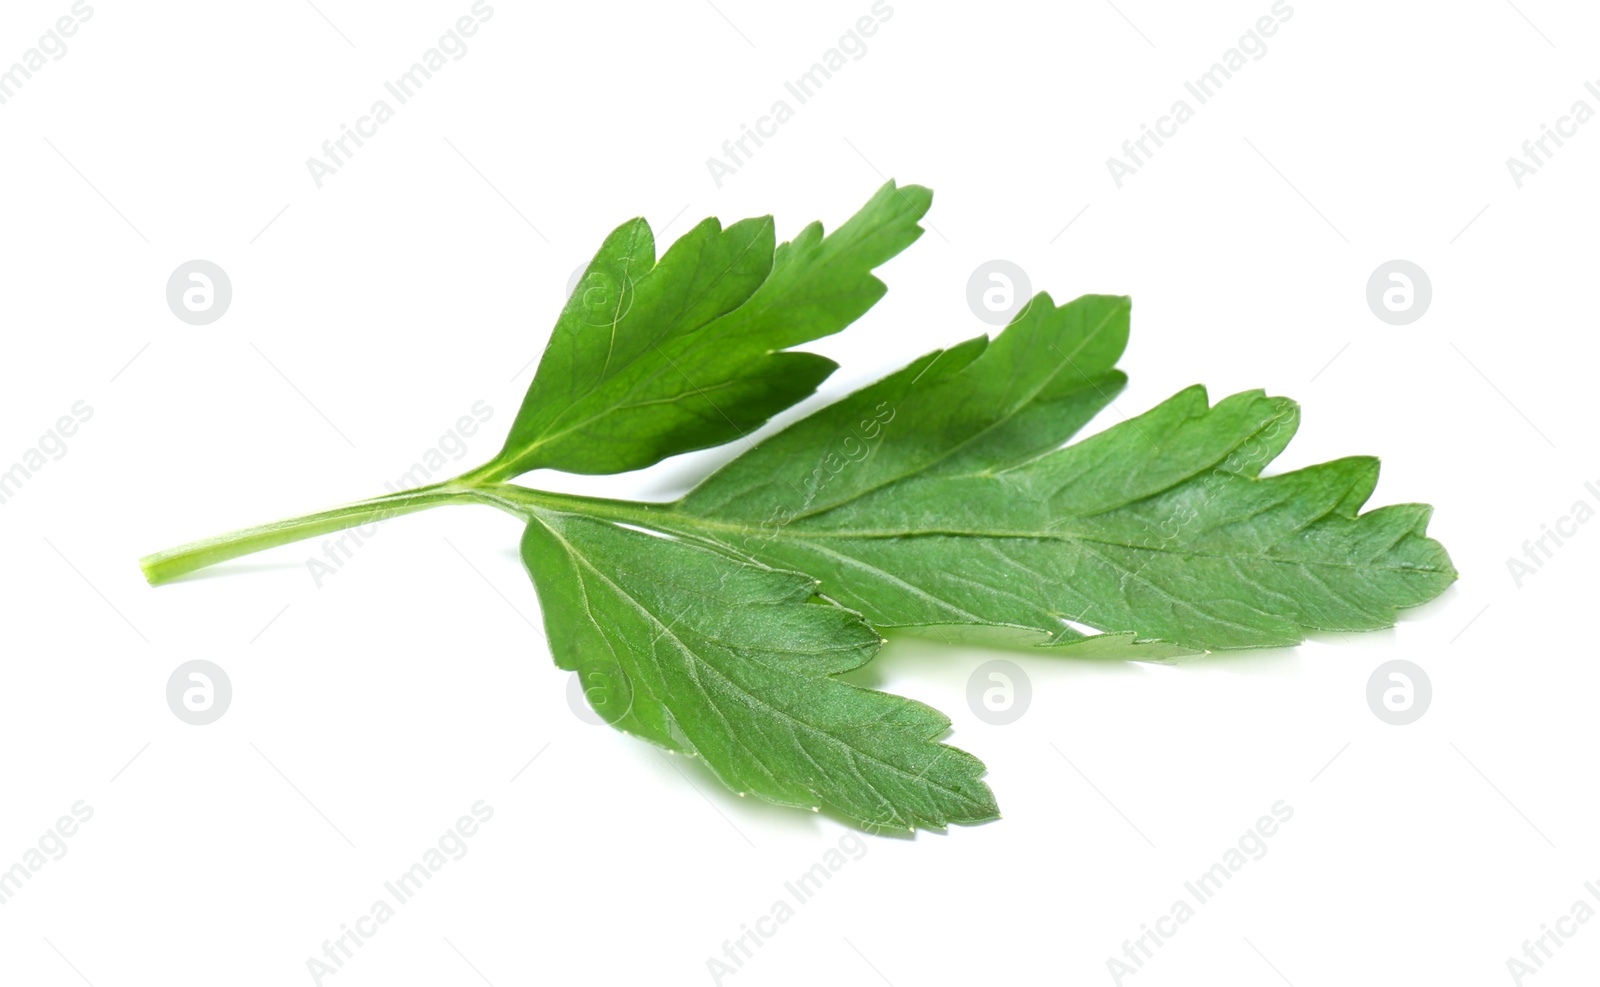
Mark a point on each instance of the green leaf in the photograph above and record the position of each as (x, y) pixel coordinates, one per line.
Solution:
(649, 359)
(937, 498)
(731, 661)
(941, 499)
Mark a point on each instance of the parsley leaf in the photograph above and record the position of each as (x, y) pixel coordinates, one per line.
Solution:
(708, 655)
(941, 499)
(649, 360)
(938, 498)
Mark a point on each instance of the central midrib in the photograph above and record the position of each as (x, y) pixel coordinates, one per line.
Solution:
(667, 522)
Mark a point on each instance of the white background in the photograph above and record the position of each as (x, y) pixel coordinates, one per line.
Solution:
(369, 314)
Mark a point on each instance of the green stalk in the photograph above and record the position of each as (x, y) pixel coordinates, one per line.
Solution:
(168, 565)
(470, 488)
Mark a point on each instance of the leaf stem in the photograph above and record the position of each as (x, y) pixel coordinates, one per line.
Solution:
(168, 565)
(479, 486)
